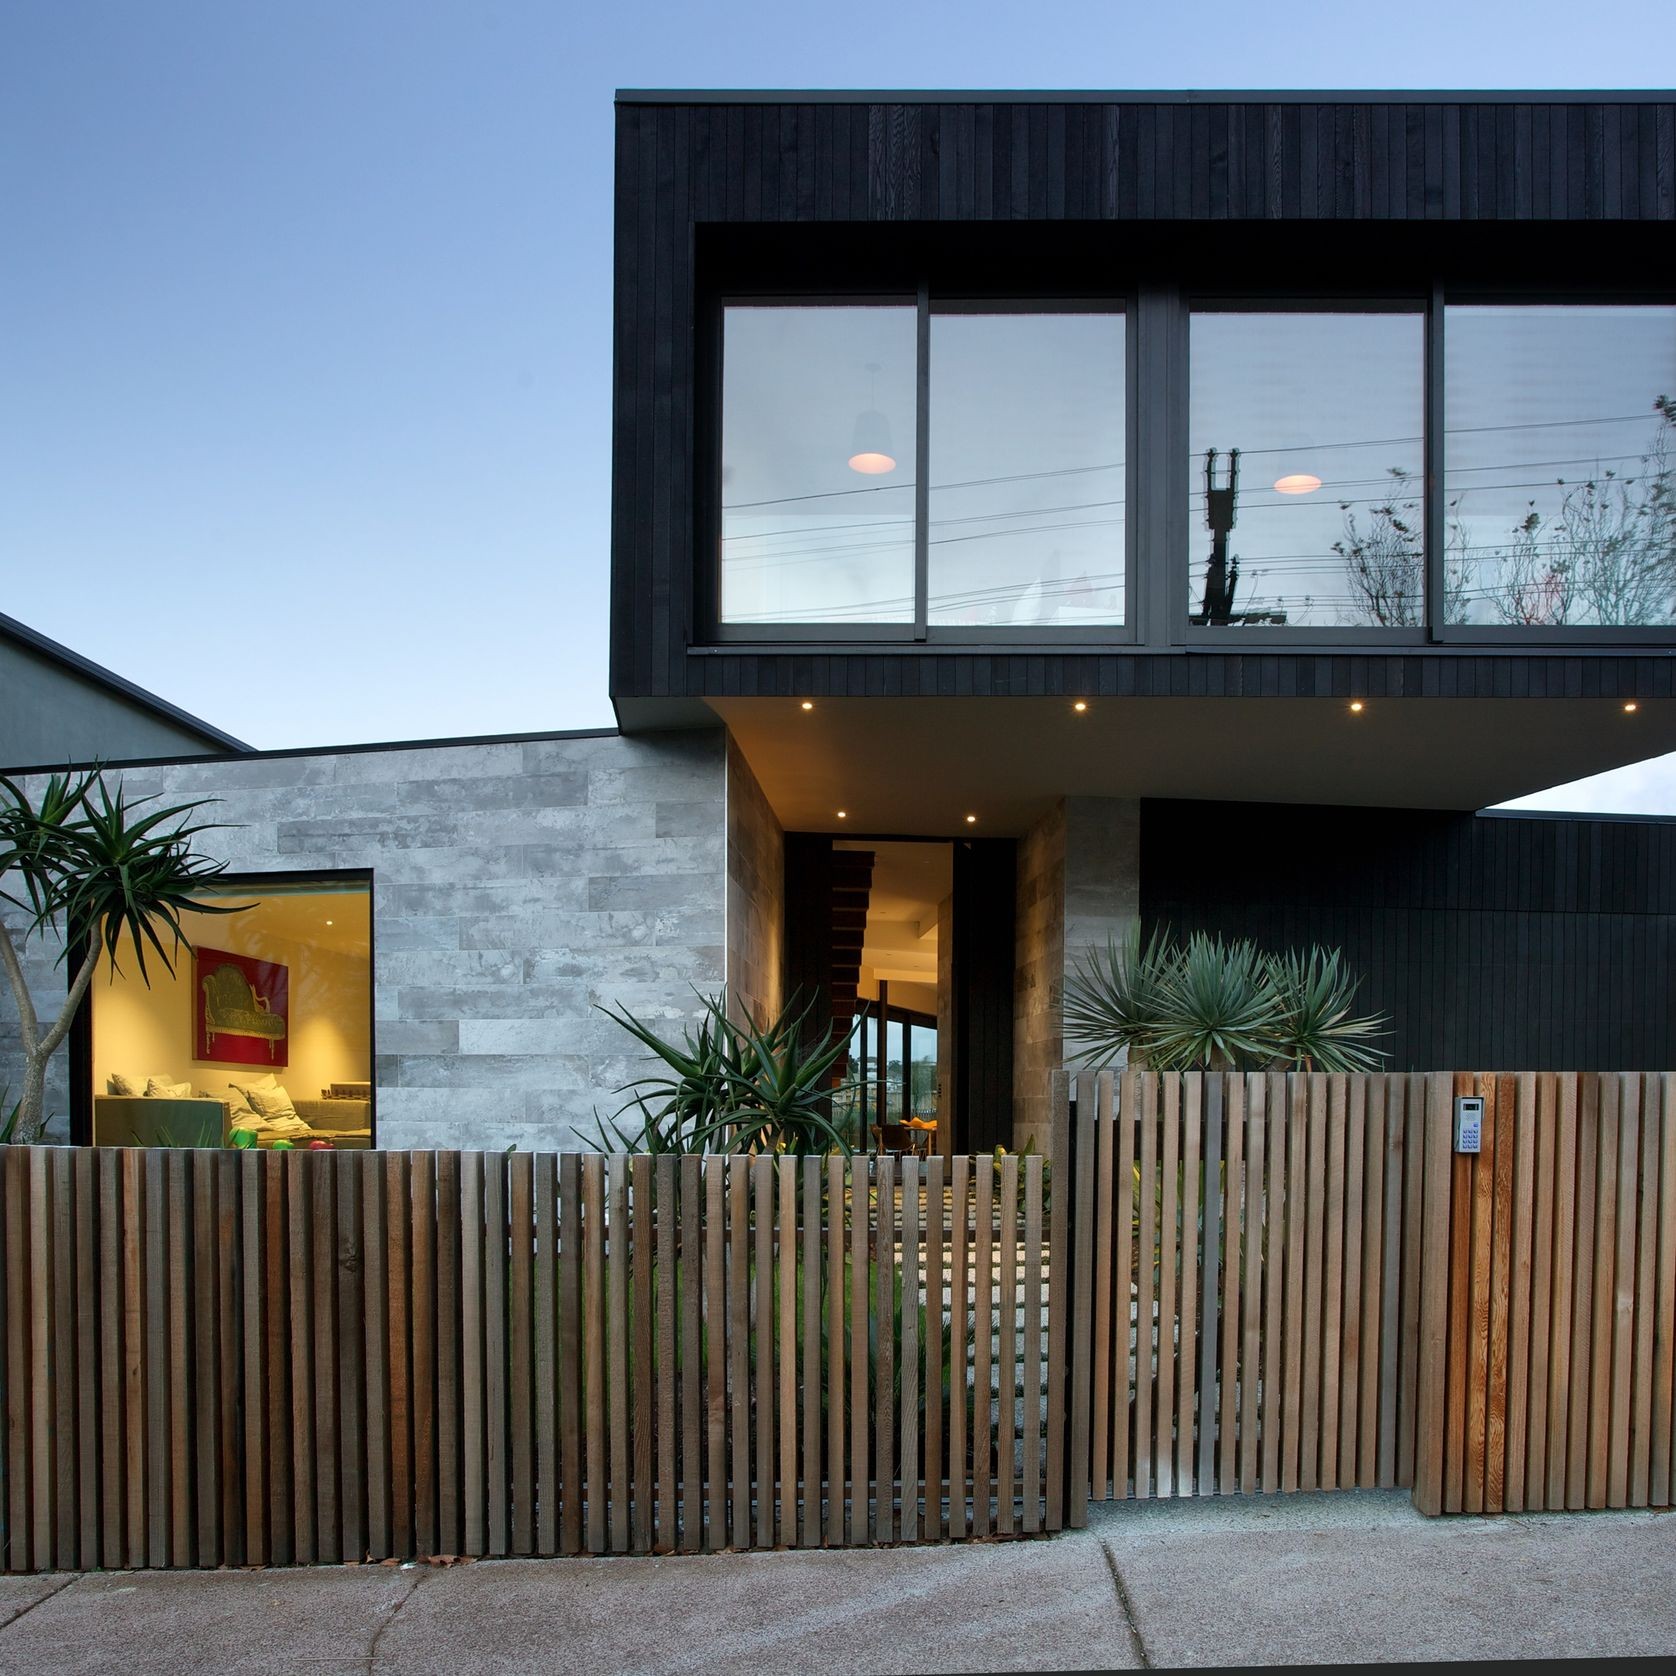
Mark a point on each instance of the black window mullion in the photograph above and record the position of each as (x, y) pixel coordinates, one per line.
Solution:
(922, 468)
(1436, 512)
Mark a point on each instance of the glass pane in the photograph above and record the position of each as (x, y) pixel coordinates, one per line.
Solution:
(893, 1070)
(264, 1027)
(1307, 468)
(818, 449)
(1561, 502)
(922, 1071)
(1027, 449)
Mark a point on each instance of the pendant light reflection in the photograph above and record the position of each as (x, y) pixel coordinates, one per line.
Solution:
(1298, 483)
(871, 450)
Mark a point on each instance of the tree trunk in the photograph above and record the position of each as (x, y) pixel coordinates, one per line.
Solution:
(31, 1113)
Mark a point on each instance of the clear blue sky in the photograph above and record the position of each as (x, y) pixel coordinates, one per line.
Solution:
(305, 305)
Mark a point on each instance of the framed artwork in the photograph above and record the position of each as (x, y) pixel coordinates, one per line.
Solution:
(241, 1009)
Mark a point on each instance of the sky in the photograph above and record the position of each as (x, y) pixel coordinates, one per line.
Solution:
(305, 308)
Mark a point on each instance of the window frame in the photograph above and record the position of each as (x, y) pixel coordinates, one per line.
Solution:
(920, 631)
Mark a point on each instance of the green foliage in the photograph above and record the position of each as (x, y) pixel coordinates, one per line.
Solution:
(8, 1116)
(1210, 1005)
(731, 1087)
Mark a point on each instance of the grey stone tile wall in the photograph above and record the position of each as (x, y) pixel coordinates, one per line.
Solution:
(516, 885)
(756, 889)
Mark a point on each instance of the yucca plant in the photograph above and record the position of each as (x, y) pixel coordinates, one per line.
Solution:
(1219, 1008)
(83, 860)
(1115, 997)
(731, 1087)
(1317, 1031)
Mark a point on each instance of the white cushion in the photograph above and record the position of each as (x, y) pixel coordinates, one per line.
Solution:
(120, 1085)
(270, 1102)
(160, 1088)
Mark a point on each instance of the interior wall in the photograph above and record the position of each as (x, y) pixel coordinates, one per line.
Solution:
(756, 900)
(945, 1026)
(143, 1031)
(1038, 970)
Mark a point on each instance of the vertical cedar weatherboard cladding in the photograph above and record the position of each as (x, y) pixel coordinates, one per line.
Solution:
(1077, 159)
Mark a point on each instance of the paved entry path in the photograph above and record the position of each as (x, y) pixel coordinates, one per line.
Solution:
(1297, 1579)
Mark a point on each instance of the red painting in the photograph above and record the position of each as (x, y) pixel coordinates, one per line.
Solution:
(241, 1009)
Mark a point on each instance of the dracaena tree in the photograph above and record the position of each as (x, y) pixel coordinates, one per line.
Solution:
(107, 874)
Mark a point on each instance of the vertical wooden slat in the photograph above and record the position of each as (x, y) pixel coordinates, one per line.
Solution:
(230, 1348)
(1582, 1290)
(1301, 1200)
(14, 1167)
(594, 1497)
(1332, 1280)
(1407, 1115)
(255, 1291)
(1378, 1352)
(934, 1527)
(572, 1334)
(401, 1303)
(1500, 1263)
(1560, 1329)
(786, 1367)
(983, 1314)
(1146, 1259)
(739, 1349)
(1125, 1375)
(908, 1364)
(1169, 1253)
(1355, 1110)
(1276, 1120)
(835, 1328)
(715, 1352)
(1464, 1202)
(497, 1526)
(104, 1169)
(1035, 1511)
(160, 1283)
(813, 1462)
(1318, 1193)
(1603, 1310)
(1236, 1212)
(1058, 1357)
(1663, 1488)
(474, 1500)
(692, 1399)
(617, 1372)
(1622, 1294)
(64, 1361)
(134, 1336)
(351, 1351)
(1647, 1222)
(205, 1404)
(1545, 1148)
(91, 1303)
(300, 1268)
(1192, 1119)
(1522, 1110)
(1432, 1168)
(180, 1276)
(328, 1534)
(644, 1383)
(1006, 1342)
(1210, 1314)
(1252, 1353)
(884, 1372)
(668, 1287)
(524, 1238)
(1081, 1254)
(422, 1226)
(379, 1387)
(449, 1468)
(764, 1192)
(1100, 1405)
(859, 1358)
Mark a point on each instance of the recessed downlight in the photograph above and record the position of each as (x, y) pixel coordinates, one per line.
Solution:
(1630, 707)
(971, 820)
(1080, 705)
(808, 704)
(1357, 707)
(843, 814)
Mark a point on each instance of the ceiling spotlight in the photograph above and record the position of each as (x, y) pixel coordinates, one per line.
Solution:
(1080, 705)
(1297, 483)
(1631, 707)
(843, 814)
(808, 704)
(971, 820)
(328, 922)
(1356, 707)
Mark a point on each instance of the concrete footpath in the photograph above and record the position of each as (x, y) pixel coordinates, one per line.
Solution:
(1301, 1579)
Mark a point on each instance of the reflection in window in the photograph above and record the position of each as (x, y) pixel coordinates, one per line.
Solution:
(818, 451)
(263, 1029)
(1307, 467)
(1027, 449)
(1560, 498)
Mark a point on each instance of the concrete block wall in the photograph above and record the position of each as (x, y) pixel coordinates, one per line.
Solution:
(515, 885)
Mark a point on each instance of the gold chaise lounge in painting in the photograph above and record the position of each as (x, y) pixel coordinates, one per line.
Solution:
(233, 1008)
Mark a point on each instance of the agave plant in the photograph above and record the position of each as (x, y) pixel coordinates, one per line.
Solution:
(1114, 998)
(1219, 1008)
(731, 1087)
(1317, 1031)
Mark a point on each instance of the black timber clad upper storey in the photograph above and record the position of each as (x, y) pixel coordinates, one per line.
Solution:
(1492, 942)
(692, 164)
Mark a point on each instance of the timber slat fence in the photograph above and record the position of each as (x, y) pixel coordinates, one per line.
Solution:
(1215, 1284)
(238, 1358)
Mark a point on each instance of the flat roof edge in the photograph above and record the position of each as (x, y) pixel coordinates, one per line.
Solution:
(1143, 96)
(52, 650)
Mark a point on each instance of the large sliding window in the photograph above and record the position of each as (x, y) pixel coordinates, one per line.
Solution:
(1445, 466)
(1307, 469)
(1027, 469)
(1559, 487)
(819, 434)
(923, 469)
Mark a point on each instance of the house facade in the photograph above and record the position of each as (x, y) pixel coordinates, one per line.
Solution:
(1035, 514)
